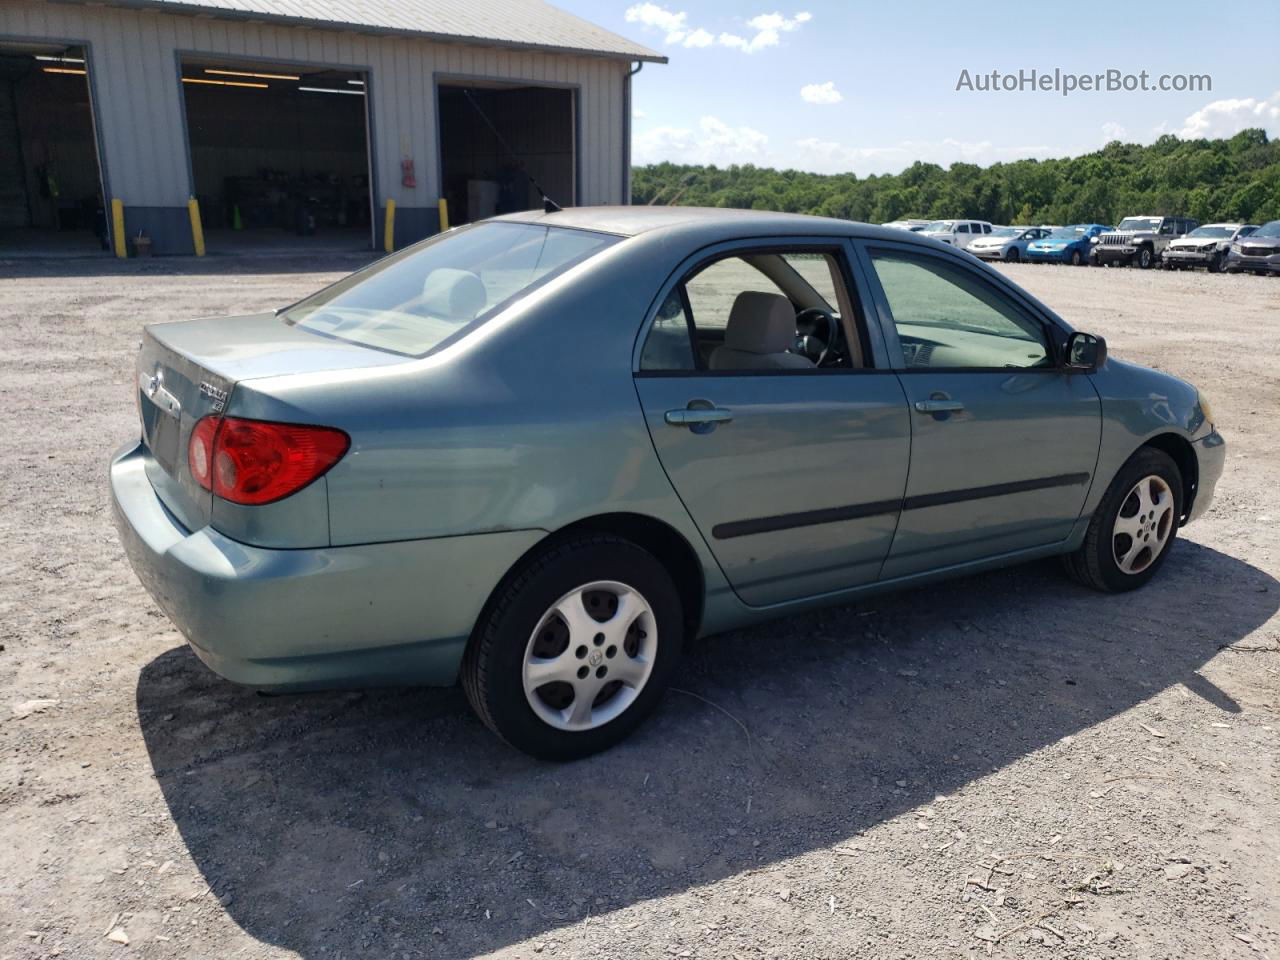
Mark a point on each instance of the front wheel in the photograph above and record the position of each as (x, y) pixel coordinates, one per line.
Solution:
(1145, 258)
(1134, 526)
(1013, 256)
(1076, 259)
(1218, 263)
(575, 648)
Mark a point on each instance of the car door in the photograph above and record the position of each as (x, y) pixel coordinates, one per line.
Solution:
(1003, 440)
(793, 476)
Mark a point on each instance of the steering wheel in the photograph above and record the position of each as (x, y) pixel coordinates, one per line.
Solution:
(809, 323)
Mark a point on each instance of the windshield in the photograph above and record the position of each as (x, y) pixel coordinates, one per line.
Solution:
(1138, 223)
(1211, 232)
(1271, 229)
(1006, 232)
(413, 301)
(938, 226)
(1068, 233)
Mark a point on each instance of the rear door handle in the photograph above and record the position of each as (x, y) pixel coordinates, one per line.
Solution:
(938, 406)
(692, 417)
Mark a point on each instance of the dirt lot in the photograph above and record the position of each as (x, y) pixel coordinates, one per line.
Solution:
(1006, 765)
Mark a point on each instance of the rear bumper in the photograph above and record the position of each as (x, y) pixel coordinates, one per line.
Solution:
(376, 614)
(1211, 455)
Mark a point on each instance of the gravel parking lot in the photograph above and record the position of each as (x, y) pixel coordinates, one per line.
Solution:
(1005, 765)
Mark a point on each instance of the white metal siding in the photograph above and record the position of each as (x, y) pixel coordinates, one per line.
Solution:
(134, 71)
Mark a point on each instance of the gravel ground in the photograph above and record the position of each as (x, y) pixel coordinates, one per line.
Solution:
(1005, 765)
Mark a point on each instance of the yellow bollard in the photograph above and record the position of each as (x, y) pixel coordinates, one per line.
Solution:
(444, 214)
(197, 228)
(389, 228)
(117, 227)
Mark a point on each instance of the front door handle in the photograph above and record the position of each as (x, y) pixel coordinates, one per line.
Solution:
(697, 416)
(938, 406)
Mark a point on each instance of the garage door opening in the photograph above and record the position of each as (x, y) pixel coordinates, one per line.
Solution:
(279, 156)
(50, 182)
(494, 137)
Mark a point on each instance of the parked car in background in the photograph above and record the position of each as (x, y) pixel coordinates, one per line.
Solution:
(1065, 244)
(1205, 246)
(1006, 243)
(958, 233)
(1138, 241)
(915, 226)
(375, 486)
(1259, 252)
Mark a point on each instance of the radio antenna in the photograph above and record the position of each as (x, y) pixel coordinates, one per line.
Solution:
(548, 205)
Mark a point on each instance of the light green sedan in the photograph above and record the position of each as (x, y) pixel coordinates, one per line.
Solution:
(544, 453)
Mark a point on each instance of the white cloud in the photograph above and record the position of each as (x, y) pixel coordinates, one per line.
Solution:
(820, 93)
(714, 141)
(1226, 118)
(768, 28)
(826, 156)
(699, 38)
(1112, 131)
(659, 18)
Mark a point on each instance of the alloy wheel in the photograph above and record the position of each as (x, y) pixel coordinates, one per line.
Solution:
(1144, 525)
(590, 655)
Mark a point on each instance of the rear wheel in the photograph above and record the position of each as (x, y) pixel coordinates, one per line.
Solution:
(1134, 526)
(576, 648)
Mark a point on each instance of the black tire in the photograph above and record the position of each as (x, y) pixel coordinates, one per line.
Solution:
(493, 665)
(1145, 258)
(1013, 256)
(1217, 263)
(1094, 563)
(1076, 259)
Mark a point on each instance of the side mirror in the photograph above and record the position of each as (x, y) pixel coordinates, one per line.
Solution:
(1085, 352)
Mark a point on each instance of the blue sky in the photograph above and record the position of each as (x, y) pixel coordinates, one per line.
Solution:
(871, 86)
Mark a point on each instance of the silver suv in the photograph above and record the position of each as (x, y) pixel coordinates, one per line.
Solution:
(1138, 240)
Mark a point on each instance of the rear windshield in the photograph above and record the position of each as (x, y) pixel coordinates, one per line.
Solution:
(414, 301)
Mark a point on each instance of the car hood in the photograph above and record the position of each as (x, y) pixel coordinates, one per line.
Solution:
(1193, 243)
(1271, 243)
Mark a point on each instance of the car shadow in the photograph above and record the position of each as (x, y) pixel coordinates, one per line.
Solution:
(349, 822)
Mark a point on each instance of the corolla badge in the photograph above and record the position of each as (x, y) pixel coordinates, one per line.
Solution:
(217, 395)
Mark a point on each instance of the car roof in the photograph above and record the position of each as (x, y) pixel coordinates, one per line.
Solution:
(713, 223)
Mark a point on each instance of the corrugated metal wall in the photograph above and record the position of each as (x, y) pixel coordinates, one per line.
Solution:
(134, 76)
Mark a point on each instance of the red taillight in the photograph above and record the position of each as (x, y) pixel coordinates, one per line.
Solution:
(254, 461)
(200, 451)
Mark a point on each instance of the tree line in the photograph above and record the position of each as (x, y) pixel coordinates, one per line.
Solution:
(1211, 180)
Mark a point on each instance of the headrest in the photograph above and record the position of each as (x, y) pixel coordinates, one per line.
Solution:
(456, 294)
(760, 323)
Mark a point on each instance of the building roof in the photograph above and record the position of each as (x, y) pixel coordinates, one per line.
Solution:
(527, 24)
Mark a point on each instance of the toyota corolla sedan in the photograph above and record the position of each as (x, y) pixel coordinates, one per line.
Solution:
(541, 454)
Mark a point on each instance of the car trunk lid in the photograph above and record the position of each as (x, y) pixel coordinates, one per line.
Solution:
(188, 370)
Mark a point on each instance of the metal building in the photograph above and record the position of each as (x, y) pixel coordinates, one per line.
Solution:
(165, 124)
